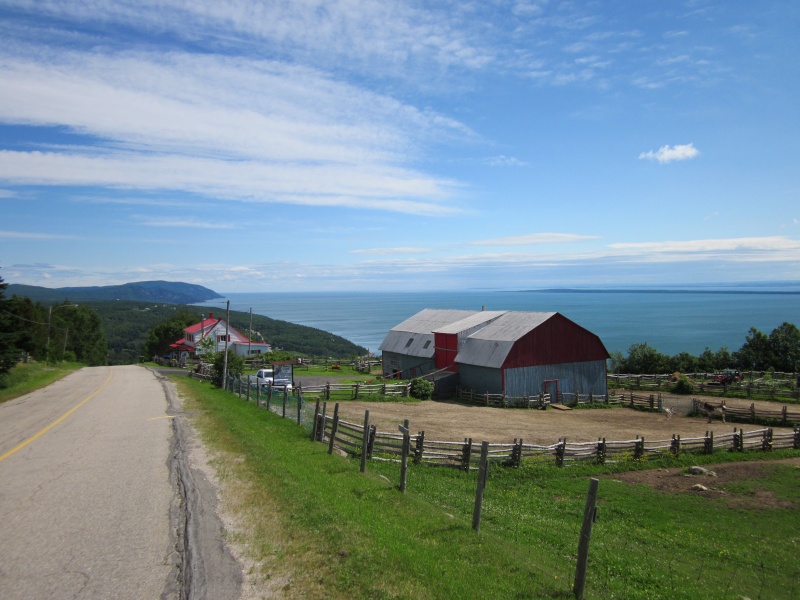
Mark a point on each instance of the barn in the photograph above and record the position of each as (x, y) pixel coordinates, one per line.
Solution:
(510, 352)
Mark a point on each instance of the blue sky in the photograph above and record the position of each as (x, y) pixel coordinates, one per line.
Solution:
(381, 145)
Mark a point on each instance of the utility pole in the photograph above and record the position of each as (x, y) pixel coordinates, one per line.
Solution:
(225, 360)
(250, 332)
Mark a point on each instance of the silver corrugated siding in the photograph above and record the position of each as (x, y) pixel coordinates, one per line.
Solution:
(581, 377)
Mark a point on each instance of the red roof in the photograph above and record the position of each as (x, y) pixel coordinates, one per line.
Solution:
(179, 345)
(207, 324)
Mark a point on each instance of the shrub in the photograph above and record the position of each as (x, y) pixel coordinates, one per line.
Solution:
(684, 385)
(421, 389)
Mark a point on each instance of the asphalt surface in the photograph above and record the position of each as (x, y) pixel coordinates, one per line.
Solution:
(98, 498)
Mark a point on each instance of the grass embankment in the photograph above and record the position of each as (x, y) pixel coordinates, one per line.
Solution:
(25, 378)
(340, 533)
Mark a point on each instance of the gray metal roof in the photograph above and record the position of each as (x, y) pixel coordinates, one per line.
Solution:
(490, 345)
(410, 336)
(479, 318)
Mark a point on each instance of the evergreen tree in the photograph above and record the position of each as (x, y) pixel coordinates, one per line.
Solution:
(9, 353)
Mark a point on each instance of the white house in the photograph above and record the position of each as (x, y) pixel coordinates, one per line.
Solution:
(217, 330)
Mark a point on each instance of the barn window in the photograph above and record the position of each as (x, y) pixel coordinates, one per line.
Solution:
(428, 343)
(409, 342)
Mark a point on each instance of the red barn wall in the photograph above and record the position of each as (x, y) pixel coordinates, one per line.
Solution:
(558, 340)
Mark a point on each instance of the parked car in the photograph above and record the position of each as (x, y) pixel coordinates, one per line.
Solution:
(263, 377)
(728, 376)
(281, 384)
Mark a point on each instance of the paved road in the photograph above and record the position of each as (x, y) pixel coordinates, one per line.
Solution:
(96, 496)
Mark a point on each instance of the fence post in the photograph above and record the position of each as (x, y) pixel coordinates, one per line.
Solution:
(709, 442)
(404, 456)
(356, 391)
(675, 446)
(766, 440)
(466, 454)
(334, 427)
(315, 424)
(482, 475)
(516, 457)
(258, 394)
(248, 391)
(601, 451)
(321, 432)
(284, 403)
(299, 407)
(365, 442)
(638, 448)
(420, 447)
(371, 445)
(589, 517)
(269, 395)
(561, 448)
(796, 441)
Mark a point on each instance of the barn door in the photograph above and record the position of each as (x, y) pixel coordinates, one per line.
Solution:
(550, 386)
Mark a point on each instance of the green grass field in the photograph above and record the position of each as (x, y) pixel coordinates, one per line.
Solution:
(339, 533)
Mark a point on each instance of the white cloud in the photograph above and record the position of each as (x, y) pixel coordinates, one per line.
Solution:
(668, 154)
(183, 222)
(535, 238)
(27, 235)
(505, 161)
(393, 251)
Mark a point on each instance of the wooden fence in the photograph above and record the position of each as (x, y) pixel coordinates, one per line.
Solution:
(753, 414)
(779, 385)
(355, 439)
(353, 391)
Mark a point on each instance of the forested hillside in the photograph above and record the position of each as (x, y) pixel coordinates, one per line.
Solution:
(127, 323)
(141, 291)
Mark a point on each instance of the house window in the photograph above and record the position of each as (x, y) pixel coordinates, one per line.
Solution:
(221, 338)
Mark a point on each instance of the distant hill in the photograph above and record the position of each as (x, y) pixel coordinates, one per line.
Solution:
(171, 292)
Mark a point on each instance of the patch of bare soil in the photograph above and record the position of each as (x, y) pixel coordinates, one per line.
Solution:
(449, 421)
(678, 481)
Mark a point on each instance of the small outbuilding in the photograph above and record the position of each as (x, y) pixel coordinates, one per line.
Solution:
(499, 352)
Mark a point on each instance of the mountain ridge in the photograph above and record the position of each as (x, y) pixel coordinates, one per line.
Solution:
(170, 292)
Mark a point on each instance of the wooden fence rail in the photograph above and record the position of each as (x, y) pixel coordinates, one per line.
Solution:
(784, 415)
(355, 390)
(348, 438)
(779, 385)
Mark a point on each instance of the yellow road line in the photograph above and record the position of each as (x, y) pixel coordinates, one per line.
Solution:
(59, 419)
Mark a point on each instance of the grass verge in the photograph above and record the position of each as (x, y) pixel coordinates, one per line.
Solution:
(26, 378)
(340, 533)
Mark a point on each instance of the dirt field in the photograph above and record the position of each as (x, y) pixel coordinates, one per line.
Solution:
(447, 421)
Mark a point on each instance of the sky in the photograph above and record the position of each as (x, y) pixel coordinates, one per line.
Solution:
(377, 145)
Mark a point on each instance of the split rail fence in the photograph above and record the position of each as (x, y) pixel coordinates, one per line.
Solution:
(779, 385)
(358, 439)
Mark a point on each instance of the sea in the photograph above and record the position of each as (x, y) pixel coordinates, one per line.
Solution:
(670, 320)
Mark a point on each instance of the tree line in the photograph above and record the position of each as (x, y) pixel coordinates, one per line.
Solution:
(778, 351)
(63, 331)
